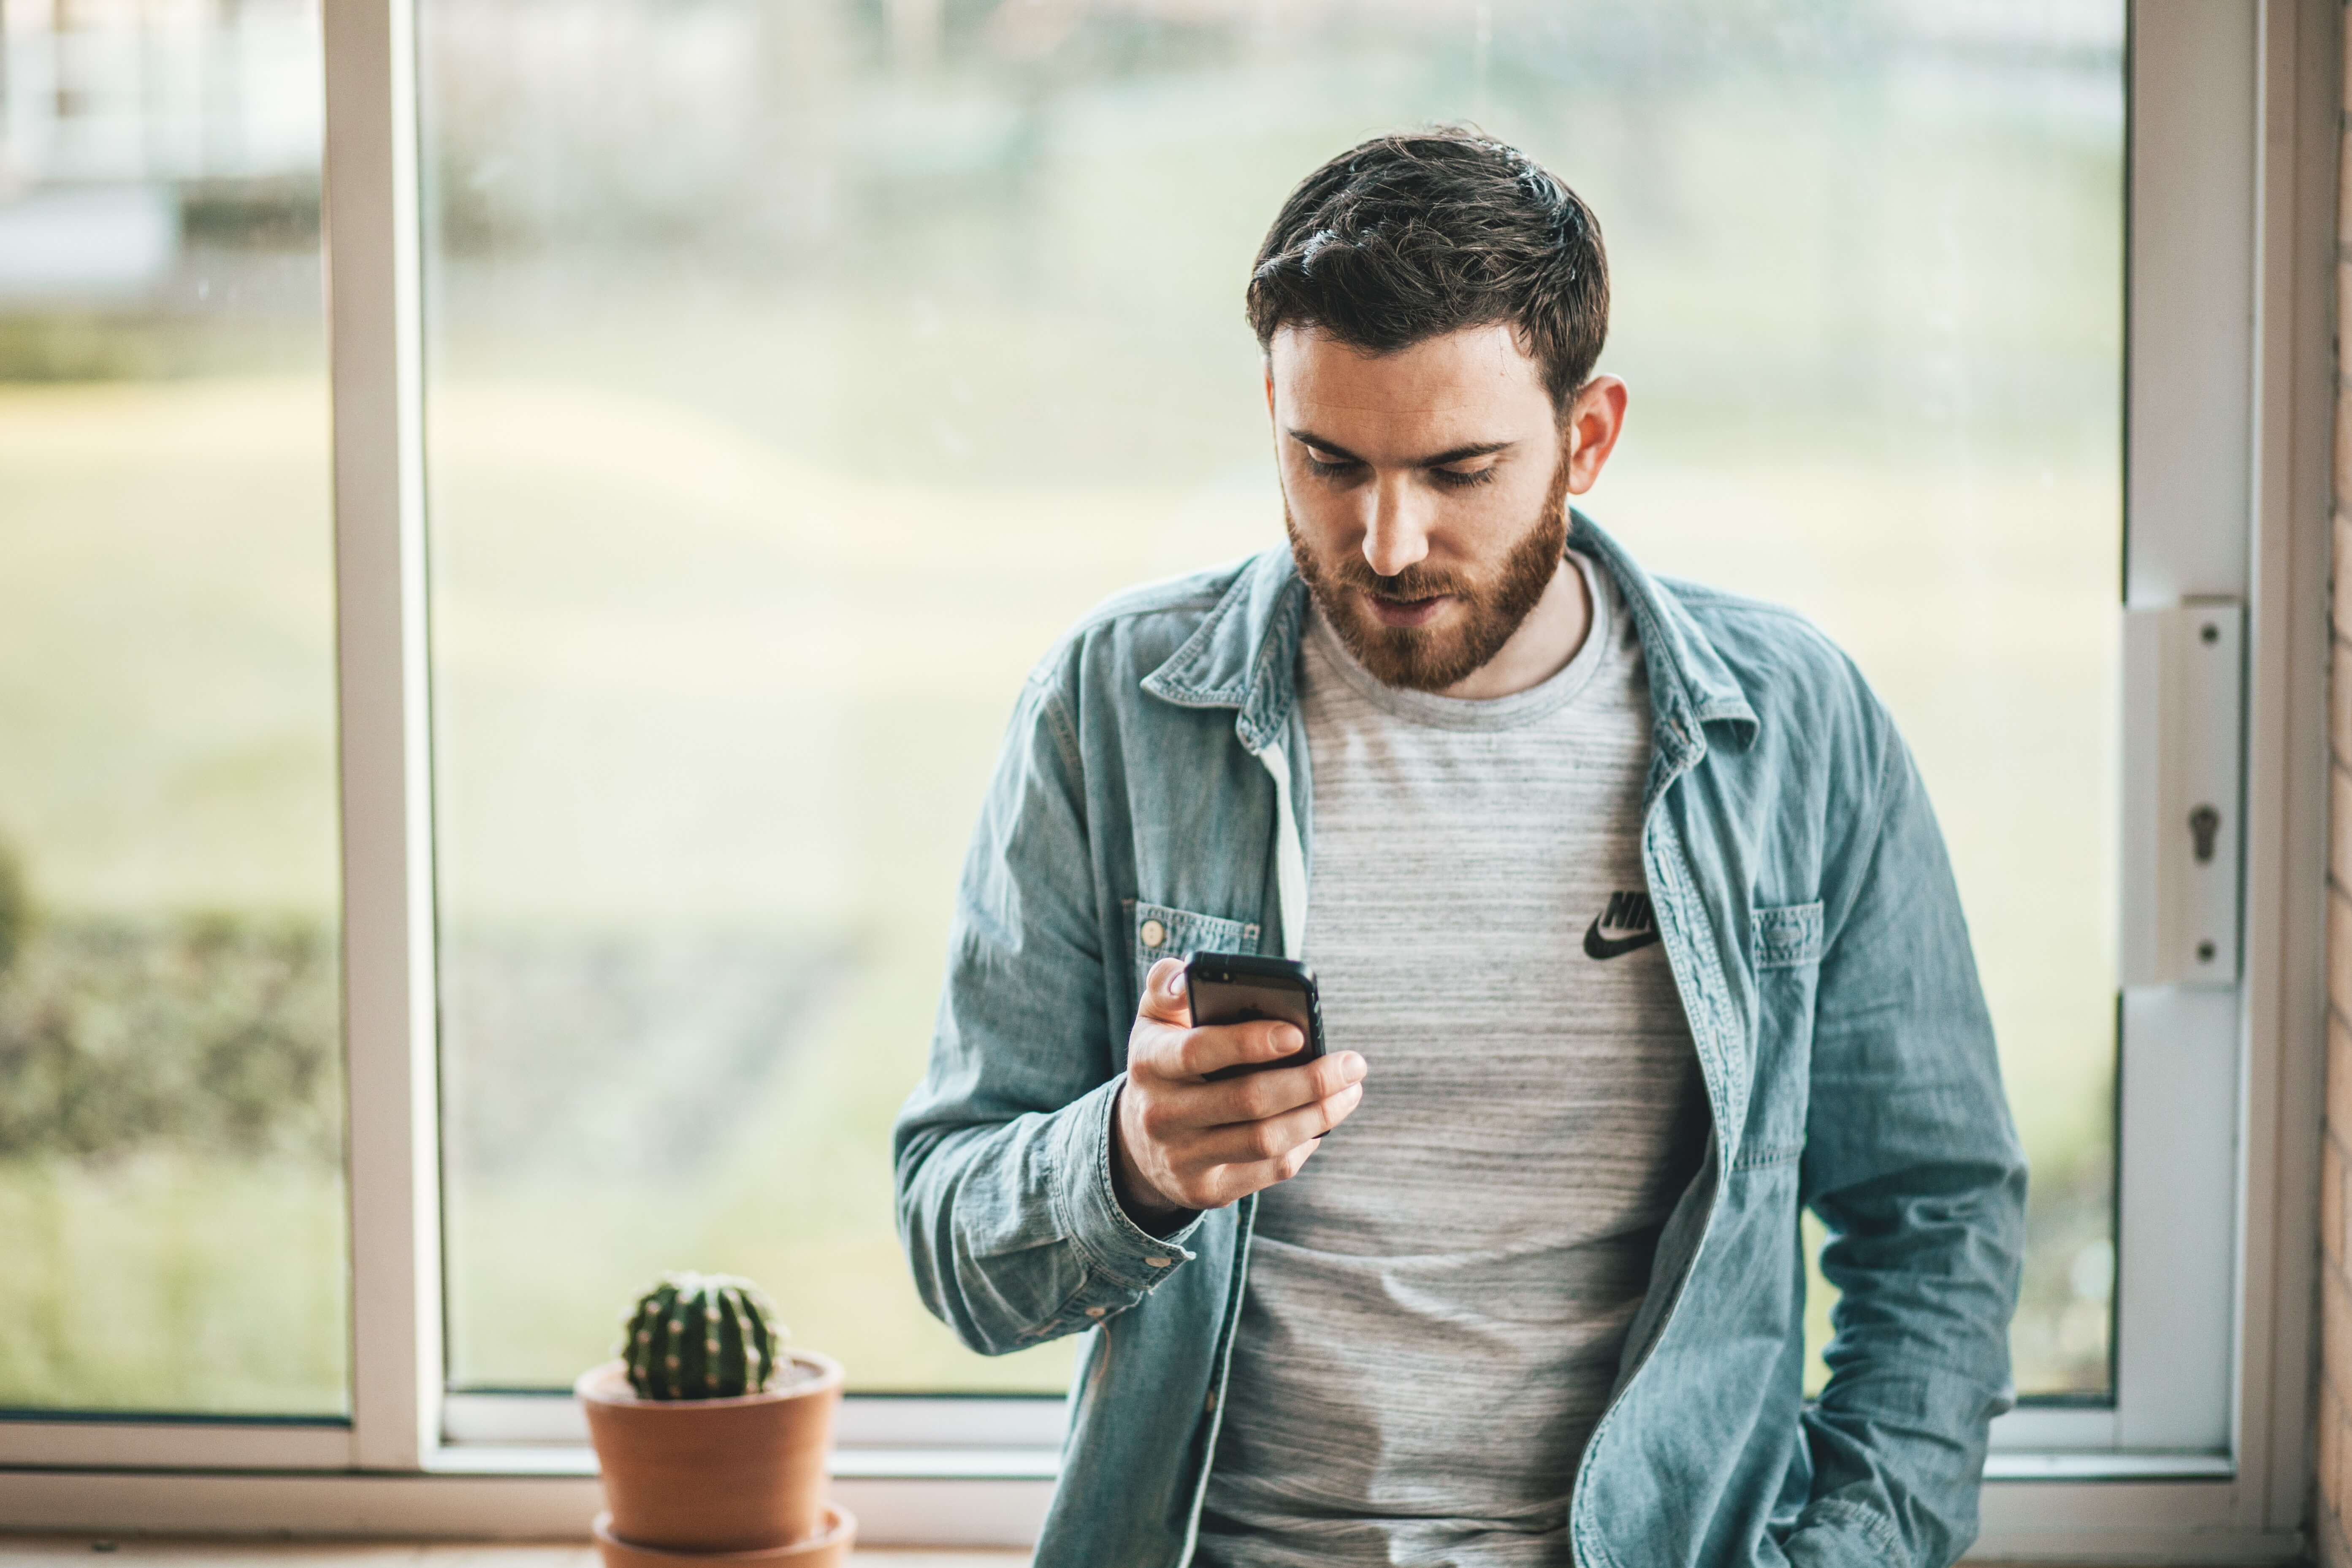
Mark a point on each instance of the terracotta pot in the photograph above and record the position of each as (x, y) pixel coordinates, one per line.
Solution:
(827, 1549)
(746, 1474)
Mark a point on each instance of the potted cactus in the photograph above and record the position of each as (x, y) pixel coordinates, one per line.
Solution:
(711, 1435)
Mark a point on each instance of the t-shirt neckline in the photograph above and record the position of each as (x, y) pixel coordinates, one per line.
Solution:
(1546, 697)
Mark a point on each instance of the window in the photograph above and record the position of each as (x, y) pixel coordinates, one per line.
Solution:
(170, 1065)
(733, 400)
(789, 391)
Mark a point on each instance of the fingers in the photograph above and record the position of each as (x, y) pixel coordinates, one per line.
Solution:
(1278, 1089)
(1272, 1137)
(1166, 1043)
(1163, 994)
(1176, 1050)
(1222, 1185)
(1201, 1144)
(1205, 1169)
(1200, 1052)
(1186, 1103)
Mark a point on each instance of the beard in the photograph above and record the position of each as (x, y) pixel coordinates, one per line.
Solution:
(1492, 606)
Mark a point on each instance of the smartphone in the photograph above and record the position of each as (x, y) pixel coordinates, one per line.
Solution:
(1237, 987)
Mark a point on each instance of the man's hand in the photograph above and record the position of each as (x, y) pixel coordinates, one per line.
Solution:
(1179, 1144)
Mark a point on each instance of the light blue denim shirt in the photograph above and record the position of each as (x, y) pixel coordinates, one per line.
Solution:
(1155, 771)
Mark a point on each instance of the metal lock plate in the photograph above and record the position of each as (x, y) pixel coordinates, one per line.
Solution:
(2183, 802)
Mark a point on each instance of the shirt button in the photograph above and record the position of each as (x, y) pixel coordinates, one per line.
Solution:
(1153, 934)
(1156, 1262)
(1096, 1312)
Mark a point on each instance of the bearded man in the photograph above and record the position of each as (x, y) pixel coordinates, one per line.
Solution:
(1635, 937)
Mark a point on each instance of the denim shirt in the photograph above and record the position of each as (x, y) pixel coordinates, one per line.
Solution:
(1153, 784)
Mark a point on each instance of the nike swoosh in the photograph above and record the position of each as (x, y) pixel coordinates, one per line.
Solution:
(1599, 946)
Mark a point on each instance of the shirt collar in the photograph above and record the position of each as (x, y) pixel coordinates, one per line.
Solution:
(1244, 654)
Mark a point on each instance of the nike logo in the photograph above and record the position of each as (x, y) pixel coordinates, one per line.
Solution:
(1628, 912)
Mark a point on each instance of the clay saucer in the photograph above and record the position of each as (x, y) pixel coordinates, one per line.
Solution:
(828, 1548)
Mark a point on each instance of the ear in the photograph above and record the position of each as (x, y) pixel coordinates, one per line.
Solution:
(1267, 362)
(1596, 417)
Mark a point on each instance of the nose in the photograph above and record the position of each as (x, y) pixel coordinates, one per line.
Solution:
(1398, 534)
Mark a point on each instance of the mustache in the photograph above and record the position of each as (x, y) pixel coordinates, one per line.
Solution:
(1412, 583)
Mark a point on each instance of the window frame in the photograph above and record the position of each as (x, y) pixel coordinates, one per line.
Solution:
(2232, 110)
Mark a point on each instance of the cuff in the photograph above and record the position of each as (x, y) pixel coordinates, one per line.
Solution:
(1838, 1535)
(1091, 1216)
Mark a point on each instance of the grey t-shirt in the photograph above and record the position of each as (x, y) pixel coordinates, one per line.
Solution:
(1437, 1303)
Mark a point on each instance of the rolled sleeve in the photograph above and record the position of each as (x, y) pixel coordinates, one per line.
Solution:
(1006, 1210)
(1091, 1216)
(1834, 1535)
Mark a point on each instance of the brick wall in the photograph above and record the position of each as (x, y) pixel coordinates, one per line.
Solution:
(2332, 1543)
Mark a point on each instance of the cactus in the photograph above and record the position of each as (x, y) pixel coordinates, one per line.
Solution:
(702, 1336)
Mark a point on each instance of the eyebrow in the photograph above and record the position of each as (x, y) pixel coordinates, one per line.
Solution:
(1461, 453)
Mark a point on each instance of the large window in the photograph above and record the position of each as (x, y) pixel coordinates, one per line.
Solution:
(171, 1070)
(796, 374)
(482, 785)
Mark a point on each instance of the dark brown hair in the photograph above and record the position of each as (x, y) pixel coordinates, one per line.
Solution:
(1408, 237)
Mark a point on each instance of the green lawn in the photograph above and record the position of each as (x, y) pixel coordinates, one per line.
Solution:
(689, 682)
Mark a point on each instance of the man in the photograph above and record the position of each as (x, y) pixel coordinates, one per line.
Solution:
(1635, 936)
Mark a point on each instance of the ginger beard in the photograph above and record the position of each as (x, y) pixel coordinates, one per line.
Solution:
(1487, 611)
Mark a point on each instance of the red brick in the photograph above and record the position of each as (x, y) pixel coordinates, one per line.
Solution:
(2339, 1076)
(2331, 1206)
(2340, 1476)
(2339, 946)
(2333, 1551)
(2344, 176)
(2334, 1327)
(2340, 534)
(2343, 298)
(2331, 1449)
(2339, 683)
(2339, 841)
(2342, 471)
(2343, 283)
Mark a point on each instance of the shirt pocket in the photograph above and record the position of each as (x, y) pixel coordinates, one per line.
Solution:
(1786, 948)
(1163, 930)
(1787, 937)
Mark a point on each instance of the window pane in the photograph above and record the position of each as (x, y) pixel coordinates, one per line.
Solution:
(800, 371)
(170, 1105)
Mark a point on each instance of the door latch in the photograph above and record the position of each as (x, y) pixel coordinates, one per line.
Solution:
(2204, 826)
(2183, 736)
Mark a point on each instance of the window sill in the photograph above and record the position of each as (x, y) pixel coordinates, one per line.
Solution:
(990, 1464)
(2161, 1509)
(59, 1551)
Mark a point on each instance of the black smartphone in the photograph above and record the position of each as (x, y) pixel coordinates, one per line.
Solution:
(1237, 987)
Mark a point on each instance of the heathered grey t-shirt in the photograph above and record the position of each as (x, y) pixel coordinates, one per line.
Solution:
(1436, 1303)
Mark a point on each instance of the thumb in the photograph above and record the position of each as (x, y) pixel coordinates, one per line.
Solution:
(1164, 1000)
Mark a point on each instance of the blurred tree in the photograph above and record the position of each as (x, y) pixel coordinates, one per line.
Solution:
(216, 1033)
(14, 912)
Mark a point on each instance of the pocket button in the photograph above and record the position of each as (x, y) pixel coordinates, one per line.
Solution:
(1153, 934)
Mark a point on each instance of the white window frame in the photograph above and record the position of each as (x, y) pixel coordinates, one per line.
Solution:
(2206, 1452)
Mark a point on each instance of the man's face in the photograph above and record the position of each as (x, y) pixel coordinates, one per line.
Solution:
(1424, 491)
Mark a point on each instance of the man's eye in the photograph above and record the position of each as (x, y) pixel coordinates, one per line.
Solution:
(1326, 465)
(1463, 478)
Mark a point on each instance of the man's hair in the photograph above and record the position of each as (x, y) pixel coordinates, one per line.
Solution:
(1408, 236)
